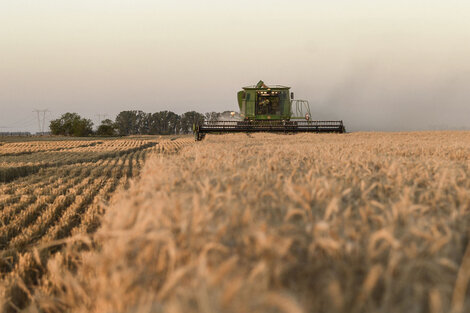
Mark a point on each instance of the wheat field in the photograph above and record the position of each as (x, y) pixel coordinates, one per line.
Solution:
(360, 222)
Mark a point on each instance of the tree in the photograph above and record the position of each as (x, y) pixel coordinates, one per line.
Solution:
(107, 128)
(144, 122)
(159, 123)
(132, 123)
(190, 118)
(71, 124)
(164, 123)
(174, 123)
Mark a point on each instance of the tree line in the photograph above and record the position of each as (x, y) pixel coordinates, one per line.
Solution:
(133, 122)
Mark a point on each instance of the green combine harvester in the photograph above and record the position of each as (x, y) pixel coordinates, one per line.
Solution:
(270, 109)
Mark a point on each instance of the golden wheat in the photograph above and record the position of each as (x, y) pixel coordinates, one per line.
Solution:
(364, 222)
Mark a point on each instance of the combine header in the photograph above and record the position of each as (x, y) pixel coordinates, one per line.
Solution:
(269, 109)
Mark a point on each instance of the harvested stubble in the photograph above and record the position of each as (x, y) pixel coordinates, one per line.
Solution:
(274, 223)
(14, 166)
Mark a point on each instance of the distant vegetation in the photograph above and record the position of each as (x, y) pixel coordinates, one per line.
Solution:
(131, 123)
(71, 124)
(107, 128)
(159, 123)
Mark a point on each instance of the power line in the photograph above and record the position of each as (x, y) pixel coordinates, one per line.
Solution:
(23, 121)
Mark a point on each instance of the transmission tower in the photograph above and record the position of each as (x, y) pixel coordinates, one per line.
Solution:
(41, 119)
(101, 117)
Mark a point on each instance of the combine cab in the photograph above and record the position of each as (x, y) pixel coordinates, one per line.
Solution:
(269, 109)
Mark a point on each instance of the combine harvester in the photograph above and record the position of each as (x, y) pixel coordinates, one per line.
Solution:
(269, 109)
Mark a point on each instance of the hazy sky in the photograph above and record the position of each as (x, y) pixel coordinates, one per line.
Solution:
(381, 65)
